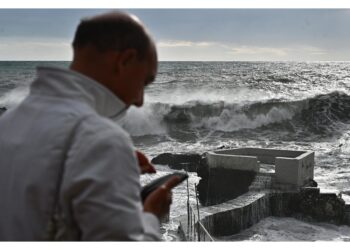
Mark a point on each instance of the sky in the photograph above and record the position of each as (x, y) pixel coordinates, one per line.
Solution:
(191, 34)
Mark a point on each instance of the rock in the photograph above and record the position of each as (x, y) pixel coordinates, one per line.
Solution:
(222, 147)
(323, 207)
(310, 205)
(188, 162)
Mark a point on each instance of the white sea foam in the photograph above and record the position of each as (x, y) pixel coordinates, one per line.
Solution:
(230, 120)
(344, 143)
(145, 120)
(290, 229)
(204, 94)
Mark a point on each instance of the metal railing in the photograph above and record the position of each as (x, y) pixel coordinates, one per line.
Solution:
(196, 231)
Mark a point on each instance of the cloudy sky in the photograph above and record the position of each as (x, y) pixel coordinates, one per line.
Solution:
(191, 34)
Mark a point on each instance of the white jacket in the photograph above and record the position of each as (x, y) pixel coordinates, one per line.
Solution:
(64, 124)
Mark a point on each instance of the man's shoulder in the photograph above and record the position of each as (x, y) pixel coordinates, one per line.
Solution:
(96, 126)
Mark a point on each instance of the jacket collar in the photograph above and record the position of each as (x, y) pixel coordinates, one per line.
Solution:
(65, 83)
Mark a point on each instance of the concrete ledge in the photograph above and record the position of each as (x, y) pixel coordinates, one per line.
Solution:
(235, 162)
(234, 220)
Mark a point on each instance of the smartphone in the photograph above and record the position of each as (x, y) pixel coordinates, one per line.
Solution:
(153, 185)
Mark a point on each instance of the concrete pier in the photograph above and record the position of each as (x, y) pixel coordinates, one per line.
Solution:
(289, 191)
(240, 187)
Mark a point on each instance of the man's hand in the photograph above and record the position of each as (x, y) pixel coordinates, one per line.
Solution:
(145, 165)
(159, 201)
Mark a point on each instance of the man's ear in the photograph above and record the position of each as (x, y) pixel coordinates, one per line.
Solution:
(128, 56)
(123, 59)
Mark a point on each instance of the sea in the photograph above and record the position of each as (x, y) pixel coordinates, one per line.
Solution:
(202, 106)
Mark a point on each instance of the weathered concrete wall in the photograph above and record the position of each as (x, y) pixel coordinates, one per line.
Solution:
(347, 214)
(266, 156)
(220, 185)
(236, 162)
(306, 168)
(233, 221)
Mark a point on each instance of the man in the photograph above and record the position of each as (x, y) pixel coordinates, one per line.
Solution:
(67, 171)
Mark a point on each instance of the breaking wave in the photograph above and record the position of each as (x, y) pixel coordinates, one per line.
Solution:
(318, 114)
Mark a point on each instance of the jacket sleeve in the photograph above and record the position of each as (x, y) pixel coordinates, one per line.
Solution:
(101, 188)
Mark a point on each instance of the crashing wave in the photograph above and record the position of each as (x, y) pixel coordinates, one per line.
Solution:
(317, 114)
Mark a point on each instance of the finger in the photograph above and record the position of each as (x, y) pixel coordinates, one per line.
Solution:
(141, 158)
(150, 169)
(145, 165)
(172, 182)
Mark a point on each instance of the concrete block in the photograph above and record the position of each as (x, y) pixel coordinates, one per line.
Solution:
(286, 170)
(291, 167)
(296, 171)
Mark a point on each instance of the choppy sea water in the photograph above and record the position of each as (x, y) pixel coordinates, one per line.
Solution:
(199, 106)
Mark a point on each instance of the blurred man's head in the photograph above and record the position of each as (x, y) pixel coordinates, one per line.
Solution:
(116, 50)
